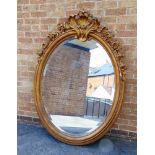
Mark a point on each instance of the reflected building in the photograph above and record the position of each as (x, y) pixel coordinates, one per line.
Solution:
(101, 82)
(100, 91)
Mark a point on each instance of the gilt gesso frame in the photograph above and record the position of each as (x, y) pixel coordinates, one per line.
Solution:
(83, 26)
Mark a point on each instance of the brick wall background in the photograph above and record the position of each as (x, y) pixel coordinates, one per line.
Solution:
(36, 18)
(65, 81)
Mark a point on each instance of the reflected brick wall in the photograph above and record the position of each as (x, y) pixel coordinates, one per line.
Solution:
(64, 82)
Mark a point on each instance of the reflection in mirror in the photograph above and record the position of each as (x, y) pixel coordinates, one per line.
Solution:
(78, 86)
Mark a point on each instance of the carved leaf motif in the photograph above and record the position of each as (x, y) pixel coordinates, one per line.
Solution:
(83, 23)
(72, 22)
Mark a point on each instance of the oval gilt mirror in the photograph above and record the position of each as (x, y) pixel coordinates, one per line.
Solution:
(79, 81)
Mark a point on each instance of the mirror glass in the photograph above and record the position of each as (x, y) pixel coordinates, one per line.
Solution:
(78, 86)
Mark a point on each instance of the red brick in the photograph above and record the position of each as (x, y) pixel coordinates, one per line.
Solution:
(120, 26)
(126, 34)
(127, 4)
(127, 116)
(19, 8)
(32, 21)
(44, 27)
(38, 14)
(23, 2)
(25, 51)
(130, 93)
(20, 34)
(20, 112)
(106, 4)
(48, 7)
(30, 8)
(31, 68)
(24, 28)
(35, 27)
(131, 26)
(122, 121)
(32, 34)
(132, 123)
(23, 15)
(39, 40)
(127, 19)
(48, 20)
(131, 106)
(115, 126)
(126, 48)
(25, 108)
(25, 40)
(109, 19)
(71, 12)
(116, 12)
(37, 1)
(127, 127)
(20, 21)
(131, 11)
(88, 5)
(44, 34)
(132, 81)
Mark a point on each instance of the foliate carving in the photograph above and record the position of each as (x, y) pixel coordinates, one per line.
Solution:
(115, 47)
(51, 37)
(83, 24)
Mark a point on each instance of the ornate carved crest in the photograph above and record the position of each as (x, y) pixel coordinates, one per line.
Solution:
(84, 23)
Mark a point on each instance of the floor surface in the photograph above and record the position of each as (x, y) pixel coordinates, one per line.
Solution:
(34, 140)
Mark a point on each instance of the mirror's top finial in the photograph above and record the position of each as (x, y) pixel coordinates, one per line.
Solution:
(82, 23)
